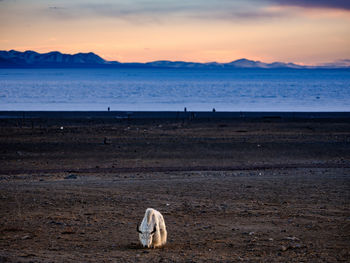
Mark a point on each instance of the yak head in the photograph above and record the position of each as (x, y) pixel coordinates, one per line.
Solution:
(146, 237)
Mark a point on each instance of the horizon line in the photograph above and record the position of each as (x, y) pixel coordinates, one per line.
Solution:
(170, 60)
(185, 61)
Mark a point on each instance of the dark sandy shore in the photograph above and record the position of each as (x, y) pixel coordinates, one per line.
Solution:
(259, 189)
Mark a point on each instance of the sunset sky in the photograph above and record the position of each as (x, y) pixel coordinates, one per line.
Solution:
(300, 31)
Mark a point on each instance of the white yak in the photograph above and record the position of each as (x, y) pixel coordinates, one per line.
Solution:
(152, 231)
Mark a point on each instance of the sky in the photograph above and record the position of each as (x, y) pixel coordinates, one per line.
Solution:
(300, 31)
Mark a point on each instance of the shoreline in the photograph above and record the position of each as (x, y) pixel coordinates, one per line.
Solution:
(170, 115)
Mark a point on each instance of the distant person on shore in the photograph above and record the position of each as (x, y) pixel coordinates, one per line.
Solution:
(214, 110)
(185, 109)
(109, 109)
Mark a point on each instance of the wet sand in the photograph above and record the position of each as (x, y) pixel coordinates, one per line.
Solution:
(240, 190)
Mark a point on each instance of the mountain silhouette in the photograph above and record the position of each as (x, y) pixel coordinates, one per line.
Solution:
(32, 58)
(17, 59)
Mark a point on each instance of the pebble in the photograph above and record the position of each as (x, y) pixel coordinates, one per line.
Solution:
(284, 248)
(292, 238)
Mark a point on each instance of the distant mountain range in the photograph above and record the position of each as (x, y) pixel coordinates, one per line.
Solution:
(16, 59)
(30, 58)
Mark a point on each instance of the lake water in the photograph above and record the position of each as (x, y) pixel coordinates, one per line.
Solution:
(173, 89)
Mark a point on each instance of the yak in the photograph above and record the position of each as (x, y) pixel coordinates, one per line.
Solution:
(152, 231)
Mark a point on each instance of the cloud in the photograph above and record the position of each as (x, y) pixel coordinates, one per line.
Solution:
(131, 12)
(338, 4)
(243, 16)
(159, 11)
(162, 11)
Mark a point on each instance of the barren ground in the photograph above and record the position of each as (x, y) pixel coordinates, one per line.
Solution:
(230, 191)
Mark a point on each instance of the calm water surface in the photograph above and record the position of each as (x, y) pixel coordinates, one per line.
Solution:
(174, 89)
